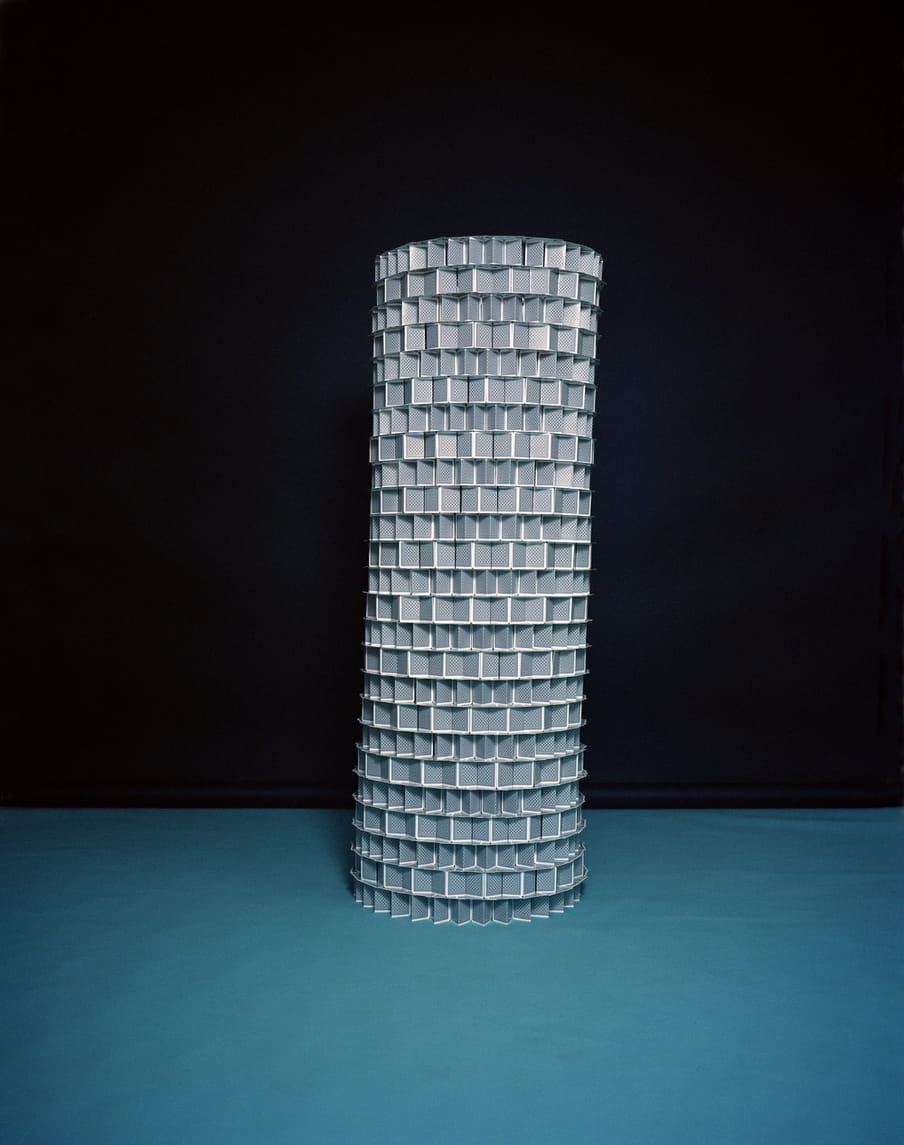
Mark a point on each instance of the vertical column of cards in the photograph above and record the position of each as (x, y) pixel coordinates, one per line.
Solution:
(468, 805)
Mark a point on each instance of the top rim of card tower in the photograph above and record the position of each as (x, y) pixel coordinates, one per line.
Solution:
(489, 250)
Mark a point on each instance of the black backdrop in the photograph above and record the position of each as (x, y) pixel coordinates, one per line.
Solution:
(192, 202)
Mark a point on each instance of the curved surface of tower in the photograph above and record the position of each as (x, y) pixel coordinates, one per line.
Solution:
(468, 805)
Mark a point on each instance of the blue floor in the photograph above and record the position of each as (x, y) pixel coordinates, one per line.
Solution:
(182, 976)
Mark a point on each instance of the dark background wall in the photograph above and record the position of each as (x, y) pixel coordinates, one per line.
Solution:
(191, 205)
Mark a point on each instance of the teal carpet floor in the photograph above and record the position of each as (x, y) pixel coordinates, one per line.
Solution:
(173, 977)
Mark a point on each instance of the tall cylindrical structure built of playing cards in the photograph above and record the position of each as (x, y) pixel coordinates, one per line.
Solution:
(468, 805)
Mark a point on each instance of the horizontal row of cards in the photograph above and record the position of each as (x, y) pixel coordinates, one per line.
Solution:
(514, 555)
(477, 747)
(541, 307)
(472, 693)
(420, 908)
(488, 417)
(465, 802)
(490, 776)
(470, 884)
(492, 390)
(484, 336)
(507, 363)
(464, 526)
(495, 250)
(521, 280)
(451, 829)
(447, 856)
(481, 499)
(517, 719)
(480, 471)
(538, 636)
(483, 445)
(474, 665)
(477, 609)
(479, 582)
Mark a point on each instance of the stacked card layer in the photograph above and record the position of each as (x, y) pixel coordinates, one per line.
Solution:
(468, 806)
